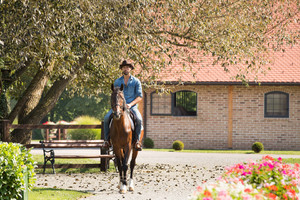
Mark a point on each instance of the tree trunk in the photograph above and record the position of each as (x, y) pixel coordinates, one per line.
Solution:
(44, 106)
(32, 95)
(3, 106)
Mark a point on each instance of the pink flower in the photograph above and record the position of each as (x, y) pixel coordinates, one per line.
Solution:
(48, 122)
(271, 166)
(222, 193)
(199, 188)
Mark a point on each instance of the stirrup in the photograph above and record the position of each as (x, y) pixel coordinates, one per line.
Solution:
(138, 146)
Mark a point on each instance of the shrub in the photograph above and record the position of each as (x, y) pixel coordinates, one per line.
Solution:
(148, 143)
(85, 134)
(257, 147)
(178, 145)
(14, 159)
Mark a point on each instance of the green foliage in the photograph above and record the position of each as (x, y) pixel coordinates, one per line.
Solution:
(81, 43)
(70, 106)
(145, 31)
(14, 159)
(257, 147)
(148, 143)
(178, 145)
(85, 134)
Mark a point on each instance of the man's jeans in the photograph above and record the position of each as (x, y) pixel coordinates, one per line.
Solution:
(138, 127)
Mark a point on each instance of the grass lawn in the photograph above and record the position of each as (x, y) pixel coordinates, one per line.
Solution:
(286, 160)
(56, 194)
(40, 160)
(228, 151)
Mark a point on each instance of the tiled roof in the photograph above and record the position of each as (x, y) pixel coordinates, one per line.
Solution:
(284, 69)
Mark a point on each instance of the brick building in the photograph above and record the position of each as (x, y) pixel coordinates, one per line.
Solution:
(218, 112)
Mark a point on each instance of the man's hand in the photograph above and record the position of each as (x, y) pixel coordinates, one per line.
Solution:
(129, 106)
(137, 100)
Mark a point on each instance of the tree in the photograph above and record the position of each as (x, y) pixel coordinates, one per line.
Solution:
(54, 45)
(70, 107)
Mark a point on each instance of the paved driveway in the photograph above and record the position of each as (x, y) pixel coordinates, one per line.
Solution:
(158, 175)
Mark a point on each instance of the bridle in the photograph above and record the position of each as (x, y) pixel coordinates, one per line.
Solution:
(123, 107)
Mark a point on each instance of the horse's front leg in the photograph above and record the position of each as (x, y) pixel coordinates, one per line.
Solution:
(125, 168)
(119, 157)
(119, 165)
(123, 181)
(132, 165)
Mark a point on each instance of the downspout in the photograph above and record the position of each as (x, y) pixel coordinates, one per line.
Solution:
(145, 114)
(230, 110)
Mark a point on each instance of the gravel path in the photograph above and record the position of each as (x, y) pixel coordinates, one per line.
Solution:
(158, 175)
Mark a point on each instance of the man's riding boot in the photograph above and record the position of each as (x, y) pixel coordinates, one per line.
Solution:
(138, 146)
(107, 144)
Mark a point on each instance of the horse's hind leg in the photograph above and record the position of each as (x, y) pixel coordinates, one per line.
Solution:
(132, 165)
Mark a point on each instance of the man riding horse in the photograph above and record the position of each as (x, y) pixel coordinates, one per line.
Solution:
(133, 95)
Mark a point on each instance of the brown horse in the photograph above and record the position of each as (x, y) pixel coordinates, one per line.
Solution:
(121, 135)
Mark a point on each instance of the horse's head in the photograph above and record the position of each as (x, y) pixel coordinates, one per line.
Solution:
(118, 103)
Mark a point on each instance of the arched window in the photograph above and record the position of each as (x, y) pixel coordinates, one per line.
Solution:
(181, 103)
(185, 103)
(277, 104)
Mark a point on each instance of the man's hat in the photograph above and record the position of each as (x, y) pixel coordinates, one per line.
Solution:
(125, 63)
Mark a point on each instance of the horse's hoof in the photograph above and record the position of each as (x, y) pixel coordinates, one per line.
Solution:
(123, 189)
(131, 185)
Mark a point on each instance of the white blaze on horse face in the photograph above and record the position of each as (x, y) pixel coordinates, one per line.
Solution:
(117, 105)
(117, 113)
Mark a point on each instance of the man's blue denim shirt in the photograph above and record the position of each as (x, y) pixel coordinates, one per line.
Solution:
(132, 90)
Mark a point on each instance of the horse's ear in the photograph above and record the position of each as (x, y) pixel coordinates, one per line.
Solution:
(122, 86)
(112, 87)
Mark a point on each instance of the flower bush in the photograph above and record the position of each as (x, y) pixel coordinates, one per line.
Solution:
(268, 178)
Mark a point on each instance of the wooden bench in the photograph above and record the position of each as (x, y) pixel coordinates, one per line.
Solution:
(49, 155)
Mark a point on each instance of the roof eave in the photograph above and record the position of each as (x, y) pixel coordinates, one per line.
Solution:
(224, 83)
